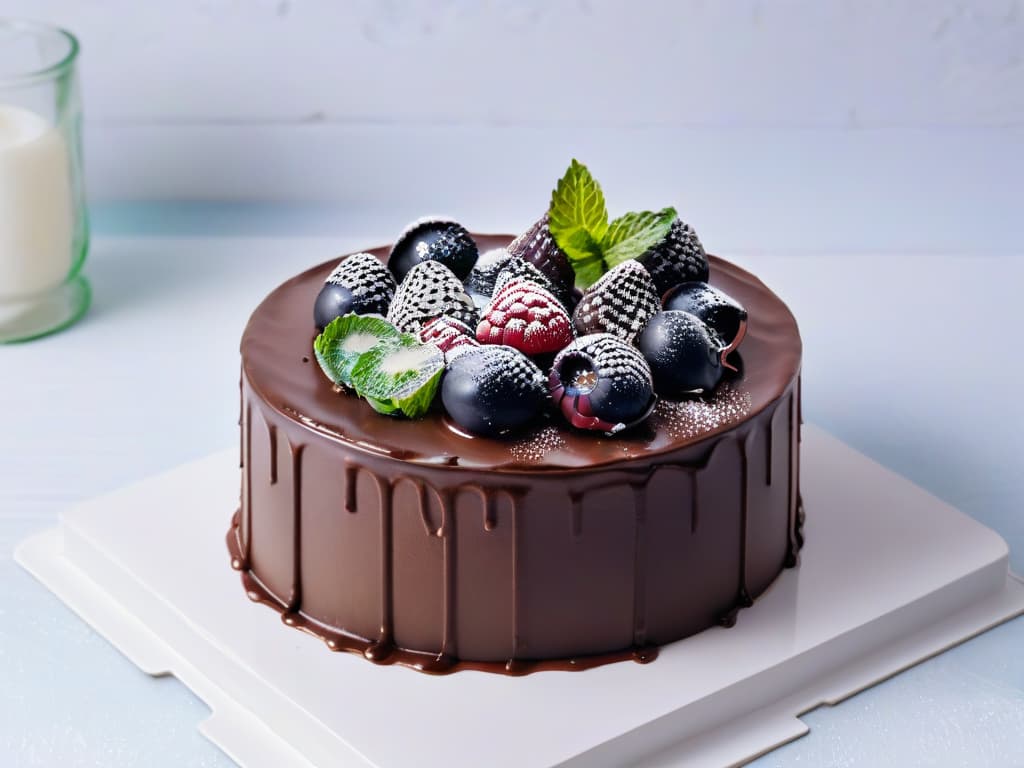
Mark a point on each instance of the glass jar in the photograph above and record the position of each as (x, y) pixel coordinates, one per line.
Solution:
(44, 229)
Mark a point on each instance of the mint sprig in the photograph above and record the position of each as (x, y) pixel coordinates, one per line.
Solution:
(585, 256)
(577, 204)
(578, 219)
(632, 234)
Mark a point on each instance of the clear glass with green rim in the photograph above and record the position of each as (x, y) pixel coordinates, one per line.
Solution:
(44, 227)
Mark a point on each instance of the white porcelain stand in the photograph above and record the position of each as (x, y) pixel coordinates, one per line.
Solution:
(889, 576)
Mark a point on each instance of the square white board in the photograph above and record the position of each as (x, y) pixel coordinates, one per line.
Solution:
(888, 577)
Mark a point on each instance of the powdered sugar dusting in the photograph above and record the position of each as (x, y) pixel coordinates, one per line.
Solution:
(687, 419)
(428, 291)
(620, 303)
(424, 220)
(537, 446)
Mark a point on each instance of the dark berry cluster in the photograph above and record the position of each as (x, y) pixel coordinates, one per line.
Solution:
(649, 327)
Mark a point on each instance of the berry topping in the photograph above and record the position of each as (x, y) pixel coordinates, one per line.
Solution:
(517, 269)
(482, 277)
(359, 284)
(526, 316)
(433, 239)
(448, 335)
(602, 383)
(339, 345)
(719, 311)
(400, 376)
(492, 390)
(430, 290)
(684, 354)
(537, 246)
(619, 303)
(677, 259)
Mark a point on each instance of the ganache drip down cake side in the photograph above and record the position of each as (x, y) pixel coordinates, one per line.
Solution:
(514, 454)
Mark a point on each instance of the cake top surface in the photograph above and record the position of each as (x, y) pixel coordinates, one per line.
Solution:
(278, 363)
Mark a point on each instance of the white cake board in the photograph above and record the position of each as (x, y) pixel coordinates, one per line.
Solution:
(889, 576)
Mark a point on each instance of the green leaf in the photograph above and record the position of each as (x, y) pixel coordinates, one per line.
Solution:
(578, 216)
(400, 375)
(585, 255)
(338, 347)
(632, 234)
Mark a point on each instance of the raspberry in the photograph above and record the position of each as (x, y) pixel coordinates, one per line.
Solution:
(448, 335)
(525, 316)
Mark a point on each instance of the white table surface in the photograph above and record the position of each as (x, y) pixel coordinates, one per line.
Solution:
(911, 359)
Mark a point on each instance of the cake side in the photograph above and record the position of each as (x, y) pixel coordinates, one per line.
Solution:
(434, 566)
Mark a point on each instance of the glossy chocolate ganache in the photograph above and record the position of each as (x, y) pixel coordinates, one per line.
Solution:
(410, 542)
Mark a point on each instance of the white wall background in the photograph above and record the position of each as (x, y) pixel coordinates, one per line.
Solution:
(438, 101)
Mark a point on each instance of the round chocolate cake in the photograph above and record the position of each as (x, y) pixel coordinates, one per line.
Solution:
(565, 543)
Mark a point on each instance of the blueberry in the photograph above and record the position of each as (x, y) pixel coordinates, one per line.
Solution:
(491, 390)
(601, 383)
(719, 311)
(684, 354)
(433, 240)
(333, 301)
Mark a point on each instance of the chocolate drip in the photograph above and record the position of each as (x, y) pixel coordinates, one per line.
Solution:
(383, 650)
(272, 432)
(771, 445)
(447, 534)
(384, 646)
(516, 641)
(295, 600)
(490, 516)
(351, 477)
(728, 619)
(639, 561)
(421, 493)
(794, 541)
(576, 513)
(743, 599)
(246, 557)
(423, 662)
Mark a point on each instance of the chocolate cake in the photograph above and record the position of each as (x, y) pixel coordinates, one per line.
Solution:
(566, 539)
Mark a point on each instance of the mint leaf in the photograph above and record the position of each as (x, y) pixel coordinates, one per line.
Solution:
(578, 216)
(633, 233)
(400, 375)
(338, 347)
(585, 255)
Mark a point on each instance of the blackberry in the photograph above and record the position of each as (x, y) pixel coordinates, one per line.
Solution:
(677, 259)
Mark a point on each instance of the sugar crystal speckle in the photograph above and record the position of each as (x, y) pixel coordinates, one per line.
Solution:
(687, 419)
(537, 445)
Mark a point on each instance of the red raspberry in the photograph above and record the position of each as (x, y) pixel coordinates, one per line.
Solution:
(447, 334)
(527, 317)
